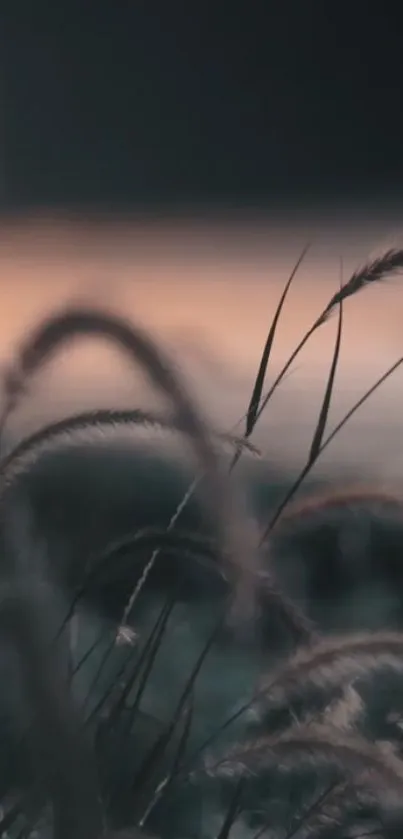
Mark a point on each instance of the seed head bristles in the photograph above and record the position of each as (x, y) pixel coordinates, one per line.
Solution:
(316, 746)
(239, 533)
(203, 550)
(376, 271)
(60, 746)
(339, 660)
(199, 549)
(187, 546)
(331, 663)
(369, 499)
(295, 620)
(88, 426)
(373, 272)
(102, 422)
(345, 711)
(331, 810)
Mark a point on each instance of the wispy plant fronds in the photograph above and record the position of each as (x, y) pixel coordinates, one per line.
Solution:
(61, 750)
(115, 560)
(331, 811)
(330, 663)
(90, 426)
(100, 424)
(333, 662)
(373, 272)
(189, 546)
(344, 712)
(372, 500)
(314, 746)
(367, 766)
(178, 542)
(294, 619)
(113, 710)
(238, 532)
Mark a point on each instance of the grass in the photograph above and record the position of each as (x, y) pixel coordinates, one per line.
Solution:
(183, 676)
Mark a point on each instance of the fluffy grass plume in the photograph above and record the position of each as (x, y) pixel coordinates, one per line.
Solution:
(116, 750)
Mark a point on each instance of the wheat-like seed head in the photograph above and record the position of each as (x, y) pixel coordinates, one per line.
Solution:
(331, 663)
(389, 263)
(223, 500)
(316, 746)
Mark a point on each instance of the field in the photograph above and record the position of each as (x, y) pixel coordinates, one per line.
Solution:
(196, 643)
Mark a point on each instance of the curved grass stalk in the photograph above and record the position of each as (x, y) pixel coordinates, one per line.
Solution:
(239, 539)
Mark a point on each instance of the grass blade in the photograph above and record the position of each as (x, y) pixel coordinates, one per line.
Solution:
(323, 415)
(309, 464)
(233, 811)
(264, 362)
(222, 500)
(390, 262)
(261, 374)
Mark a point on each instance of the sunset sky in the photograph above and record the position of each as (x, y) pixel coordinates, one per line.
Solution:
(207, 290)
(274, 125)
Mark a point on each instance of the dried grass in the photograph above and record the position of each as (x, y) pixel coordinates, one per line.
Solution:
(332, 663)
(316, 746)
(221, 499)
(70, 746)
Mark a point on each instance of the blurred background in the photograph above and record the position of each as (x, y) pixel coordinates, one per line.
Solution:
(171, 161)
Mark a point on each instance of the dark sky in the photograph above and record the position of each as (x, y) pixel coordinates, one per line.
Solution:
(256, 104)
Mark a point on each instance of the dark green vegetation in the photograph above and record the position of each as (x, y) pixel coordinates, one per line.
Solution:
(188, 650)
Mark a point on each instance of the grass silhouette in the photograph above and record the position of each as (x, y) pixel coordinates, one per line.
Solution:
(176, 663)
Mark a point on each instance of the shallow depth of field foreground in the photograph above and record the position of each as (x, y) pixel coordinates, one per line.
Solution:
(196, 641)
